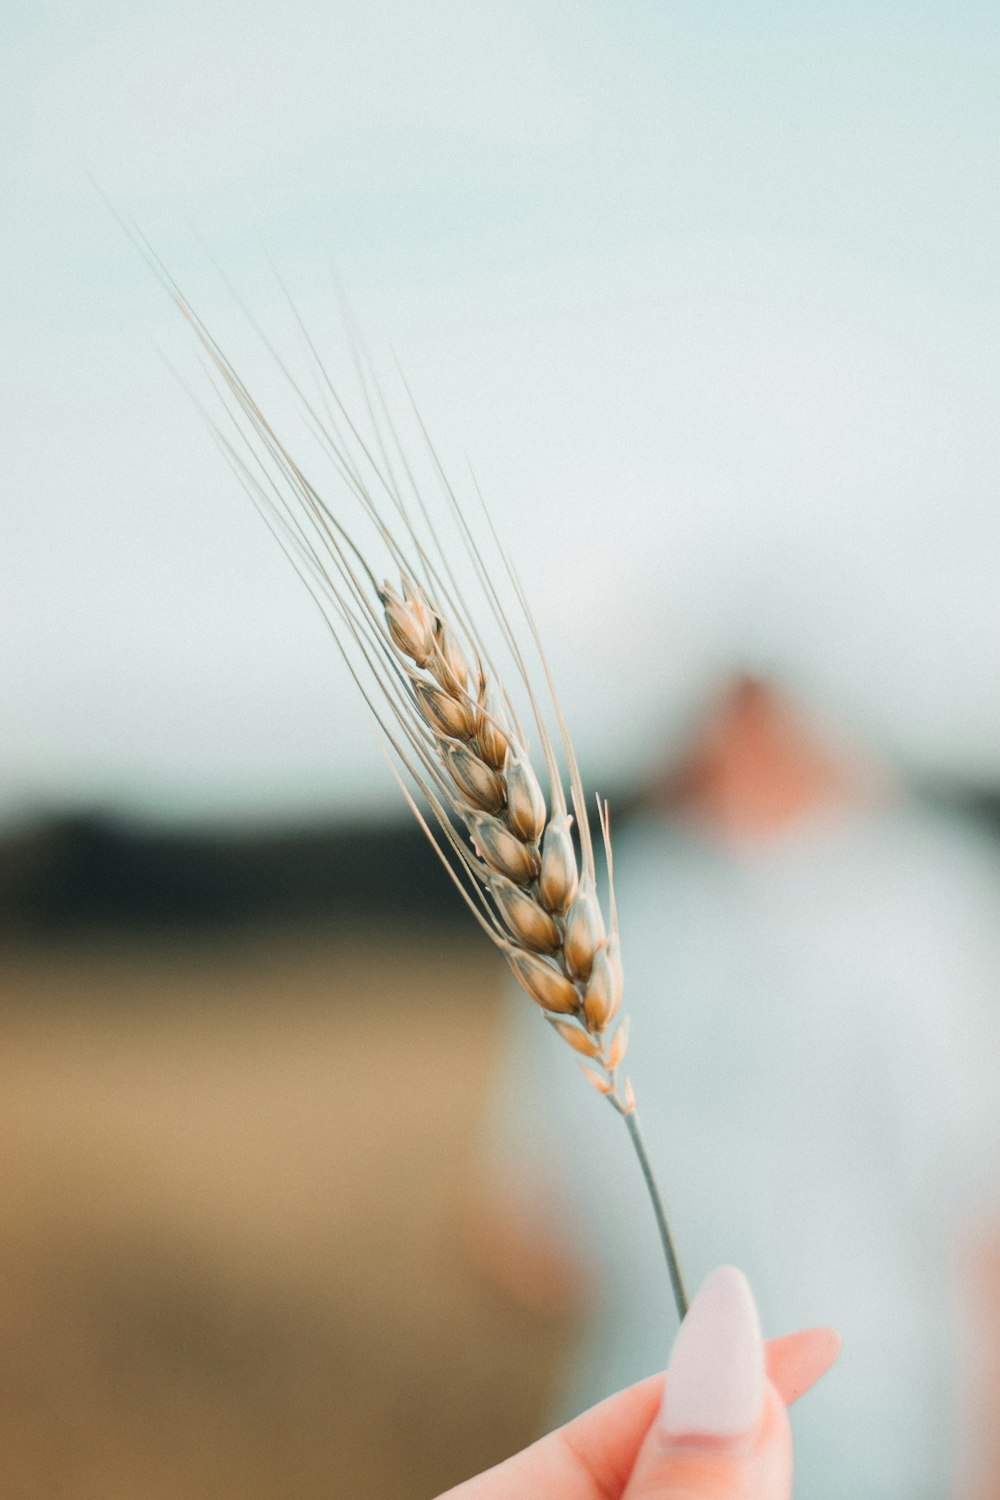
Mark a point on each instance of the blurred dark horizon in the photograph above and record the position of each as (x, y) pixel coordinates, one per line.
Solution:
(94, 871)
(90, 871)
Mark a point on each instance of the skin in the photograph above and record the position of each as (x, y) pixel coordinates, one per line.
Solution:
(615, 1451)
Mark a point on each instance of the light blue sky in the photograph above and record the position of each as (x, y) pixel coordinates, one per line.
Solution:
(708, 293)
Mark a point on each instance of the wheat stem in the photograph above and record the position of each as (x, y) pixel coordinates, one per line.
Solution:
(660, 1212)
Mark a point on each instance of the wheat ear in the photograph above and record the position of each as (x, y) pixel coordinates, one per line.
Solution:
(542, 913)
(441, 706)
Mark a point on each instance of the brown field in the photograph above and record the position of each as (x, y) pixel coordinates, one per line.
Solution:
(230, 1256)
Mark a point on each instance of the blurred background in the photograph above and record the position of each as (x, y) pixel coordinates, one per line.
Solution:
(708, 298)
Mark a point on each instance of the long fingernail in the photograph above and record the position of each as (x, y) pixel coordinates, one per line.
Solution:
(714, 1393)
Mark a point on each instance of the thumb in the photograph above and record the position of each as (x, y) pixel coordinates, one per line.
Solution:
(722, 1432)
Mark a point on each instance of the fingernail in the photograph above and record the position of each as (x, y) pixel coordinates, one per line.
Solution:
(714, 1393)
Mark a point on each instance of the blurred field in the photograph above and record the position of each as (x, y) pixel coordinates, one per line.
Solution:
(230, 1261)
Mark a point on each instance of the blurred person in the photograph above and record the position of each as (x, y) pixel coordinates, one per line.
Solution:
(713, 1429)
(813, 973)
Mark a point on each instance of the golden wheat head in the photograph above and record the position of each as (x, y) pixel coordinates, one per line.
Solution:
(522, 857)
(522, 860)
(537, 904)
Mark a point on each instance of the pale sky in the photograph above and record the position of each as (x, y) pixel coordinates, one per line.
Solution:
(708, 295)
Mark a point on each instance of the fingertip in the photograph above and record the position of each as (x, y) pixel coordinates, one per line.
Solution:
(715, 1380)
(795, 1362)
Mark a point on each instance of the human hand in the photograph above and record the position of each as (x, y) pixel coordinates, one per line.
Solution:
(714, 1429)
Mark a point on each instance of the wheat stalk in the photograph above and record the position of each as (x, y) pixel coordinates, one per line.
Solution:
(440, 704)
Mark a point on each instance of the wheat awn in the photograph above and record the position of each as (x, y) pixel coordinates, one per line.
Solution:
(412, 646)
